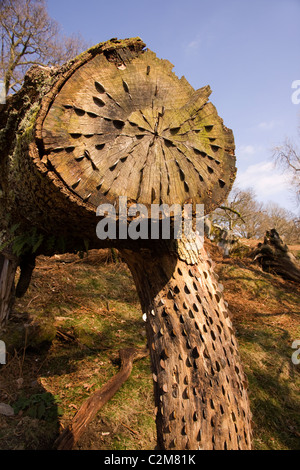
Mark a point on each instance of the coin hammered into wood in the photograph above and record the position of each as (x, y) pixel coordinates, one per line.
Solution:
(116, 121)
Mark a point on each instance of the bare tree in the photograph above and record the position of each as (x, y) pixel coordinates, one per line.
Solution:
(287, 157)
(282, 220)
(28, 36)
(248, 218)
(241, 213)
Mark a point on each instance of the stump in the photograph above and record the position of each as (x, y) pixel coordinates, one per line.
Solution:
(274, 256)
(200, 388)
(117, 122)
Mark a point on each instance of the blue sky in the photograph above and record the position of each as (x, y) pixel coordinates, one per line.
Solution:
(246, 50)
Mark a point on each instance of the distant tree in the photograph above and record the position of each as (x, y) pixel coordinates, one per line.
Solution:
(28, 36)
(246, 217)
(282, 220)
(287, 157)
(241, 213)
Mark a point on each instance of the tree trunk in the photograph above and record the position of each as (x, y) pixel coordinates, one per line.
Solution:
(8, 267)
(117, 122)
(274, 257)
(27, 265)
(200, 388)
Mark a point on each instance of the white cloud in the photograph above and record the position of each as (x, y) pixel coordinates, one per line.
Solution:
(267, 125)
(270, 125)
(269, 184)
(264, 179)
(245, 150)
(204, 39)
(253, 152)
(195, 43)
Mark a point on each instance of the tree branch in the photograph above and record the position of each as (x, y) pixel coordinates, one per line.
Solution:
(90, 407)
(27, 29)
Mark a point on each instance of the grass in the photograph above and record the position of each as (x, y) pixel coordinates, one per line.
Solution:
(266, 313)
(63, 341)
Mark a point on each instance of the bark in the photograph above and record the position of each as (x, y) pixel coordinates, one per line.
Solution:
(90, 407)
(115, 122)
(8, 267)
(39, 212)
(27, 265)
(199, 384)
(274, 257)
(102, 126)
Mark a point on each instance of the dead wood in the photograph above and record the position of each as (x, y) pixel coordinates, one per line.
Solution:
(90, 407)
(274, 256)
(117, 122)
(200, 388)
(8, 267)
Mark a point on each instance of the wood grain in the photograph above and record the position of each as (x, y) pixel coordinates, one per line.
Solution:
(137, 130)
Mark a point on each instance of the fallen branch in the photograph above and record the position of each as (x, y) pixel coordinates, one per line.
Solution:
(129, 429)
(90, 407)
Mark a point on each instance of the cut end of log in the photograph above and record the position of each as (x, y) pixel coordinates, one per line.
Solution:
(119, 122)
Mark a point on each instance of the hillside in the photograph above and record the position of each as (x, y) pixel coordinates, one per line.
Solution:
(63, 341)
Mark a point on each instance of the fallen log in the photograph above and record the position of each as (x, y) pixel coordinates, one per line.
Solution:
(274, 257)
(70, 436)
(116, 123)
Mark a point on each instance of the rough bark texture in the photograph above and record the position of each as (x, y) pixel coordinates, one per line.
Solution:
(114, 122)
(274, 256)
(27, 265)
(8, 267)
(200, 388)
